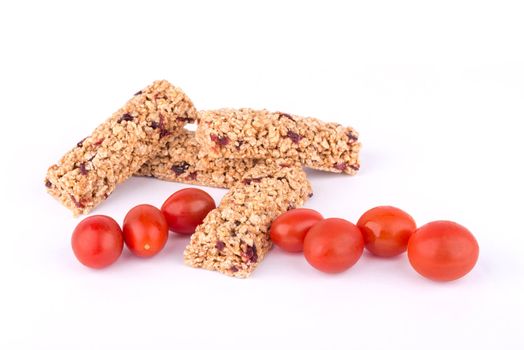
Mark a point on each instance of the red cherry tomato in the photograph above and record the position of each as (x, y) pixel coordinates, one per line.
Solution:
(289, 229)
(386, 230)
(145, 230)
(333, 245)
(97, 241)
(443, 251)
(186, 209)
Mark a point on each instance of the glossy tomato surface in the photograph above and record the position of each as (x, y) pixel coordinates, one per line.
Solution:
(386, 230)
(289, 229)
(333, 245)
(145, 230)
(97, 241)
(443, 251)
(184, 210)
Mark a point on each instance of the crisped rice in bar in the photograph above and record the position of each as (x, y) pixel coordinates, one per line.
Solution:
(87, 174)
(179, 161)
(234, 237)
(260, 134)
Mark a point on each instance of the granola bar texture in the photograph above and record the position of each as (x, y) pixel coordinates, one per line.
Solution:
(234, 237)
(180, 161)
(261, 134)
(116, 149)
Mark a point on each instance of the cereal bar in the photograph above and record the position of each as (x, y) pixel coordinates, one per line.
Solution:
(179, 161)
(87, 174)
(260, 134)
(234, 238)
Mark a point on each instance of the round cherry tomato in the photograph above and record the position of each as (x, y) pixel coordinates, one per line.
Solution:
(443, 251)
(145, 230)
(186, 209)
(289, 229)
(97, 241)
(386, 230)
(333, 245)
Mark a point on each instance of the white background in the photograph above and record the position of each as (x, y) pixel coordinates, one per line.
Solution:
(436, 89)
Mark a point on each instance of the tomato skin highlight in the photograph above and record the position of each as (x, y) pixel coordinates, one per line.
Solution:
(184, 210)
(386, 230)
(97, 241)
(333, 245)
(145, 230)
(443, 251)
(289, 229)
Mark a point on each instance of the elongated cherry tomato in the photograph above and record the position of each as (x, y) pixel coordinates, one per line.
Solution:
(386, 230)
(289, 229)
(97, 241)
(333, 245)
(443, 251)
(145, 230)
(186, 209)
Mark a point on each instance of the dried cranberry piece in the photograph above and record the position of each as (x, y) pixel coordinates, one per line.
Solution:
(78, 204)
(48, 184)
(352, 137)
(138, 93)
(341, 166)
(220, 140)
(180, 168)
(82, 168)
(81, 142)
(310, 195)
(233, 269)
(99, 142)
(285, 115)
(294, 136)
(126, 117)
(251, 253)
(161, 125)
(255, 255)
(355, 166)
(249, 181)
(192, 175)
(164, 133)
(220, 246)
(154, 125)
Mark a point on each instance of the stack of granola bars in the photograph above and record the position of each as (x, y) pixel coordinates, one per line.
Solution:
(258, 155)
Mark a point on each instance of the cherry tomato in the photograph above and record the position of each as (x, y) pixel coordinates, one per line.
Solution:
(443, 251)
(145, 230)
(386, 230)
(333, 245)
(97, 241)
(289, 229)
(186, 209)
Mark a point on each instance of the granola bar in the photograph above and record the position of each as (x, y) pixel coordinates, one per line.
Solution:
(234, 238)
(261, 134)
(179, 161)
(87, 174)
